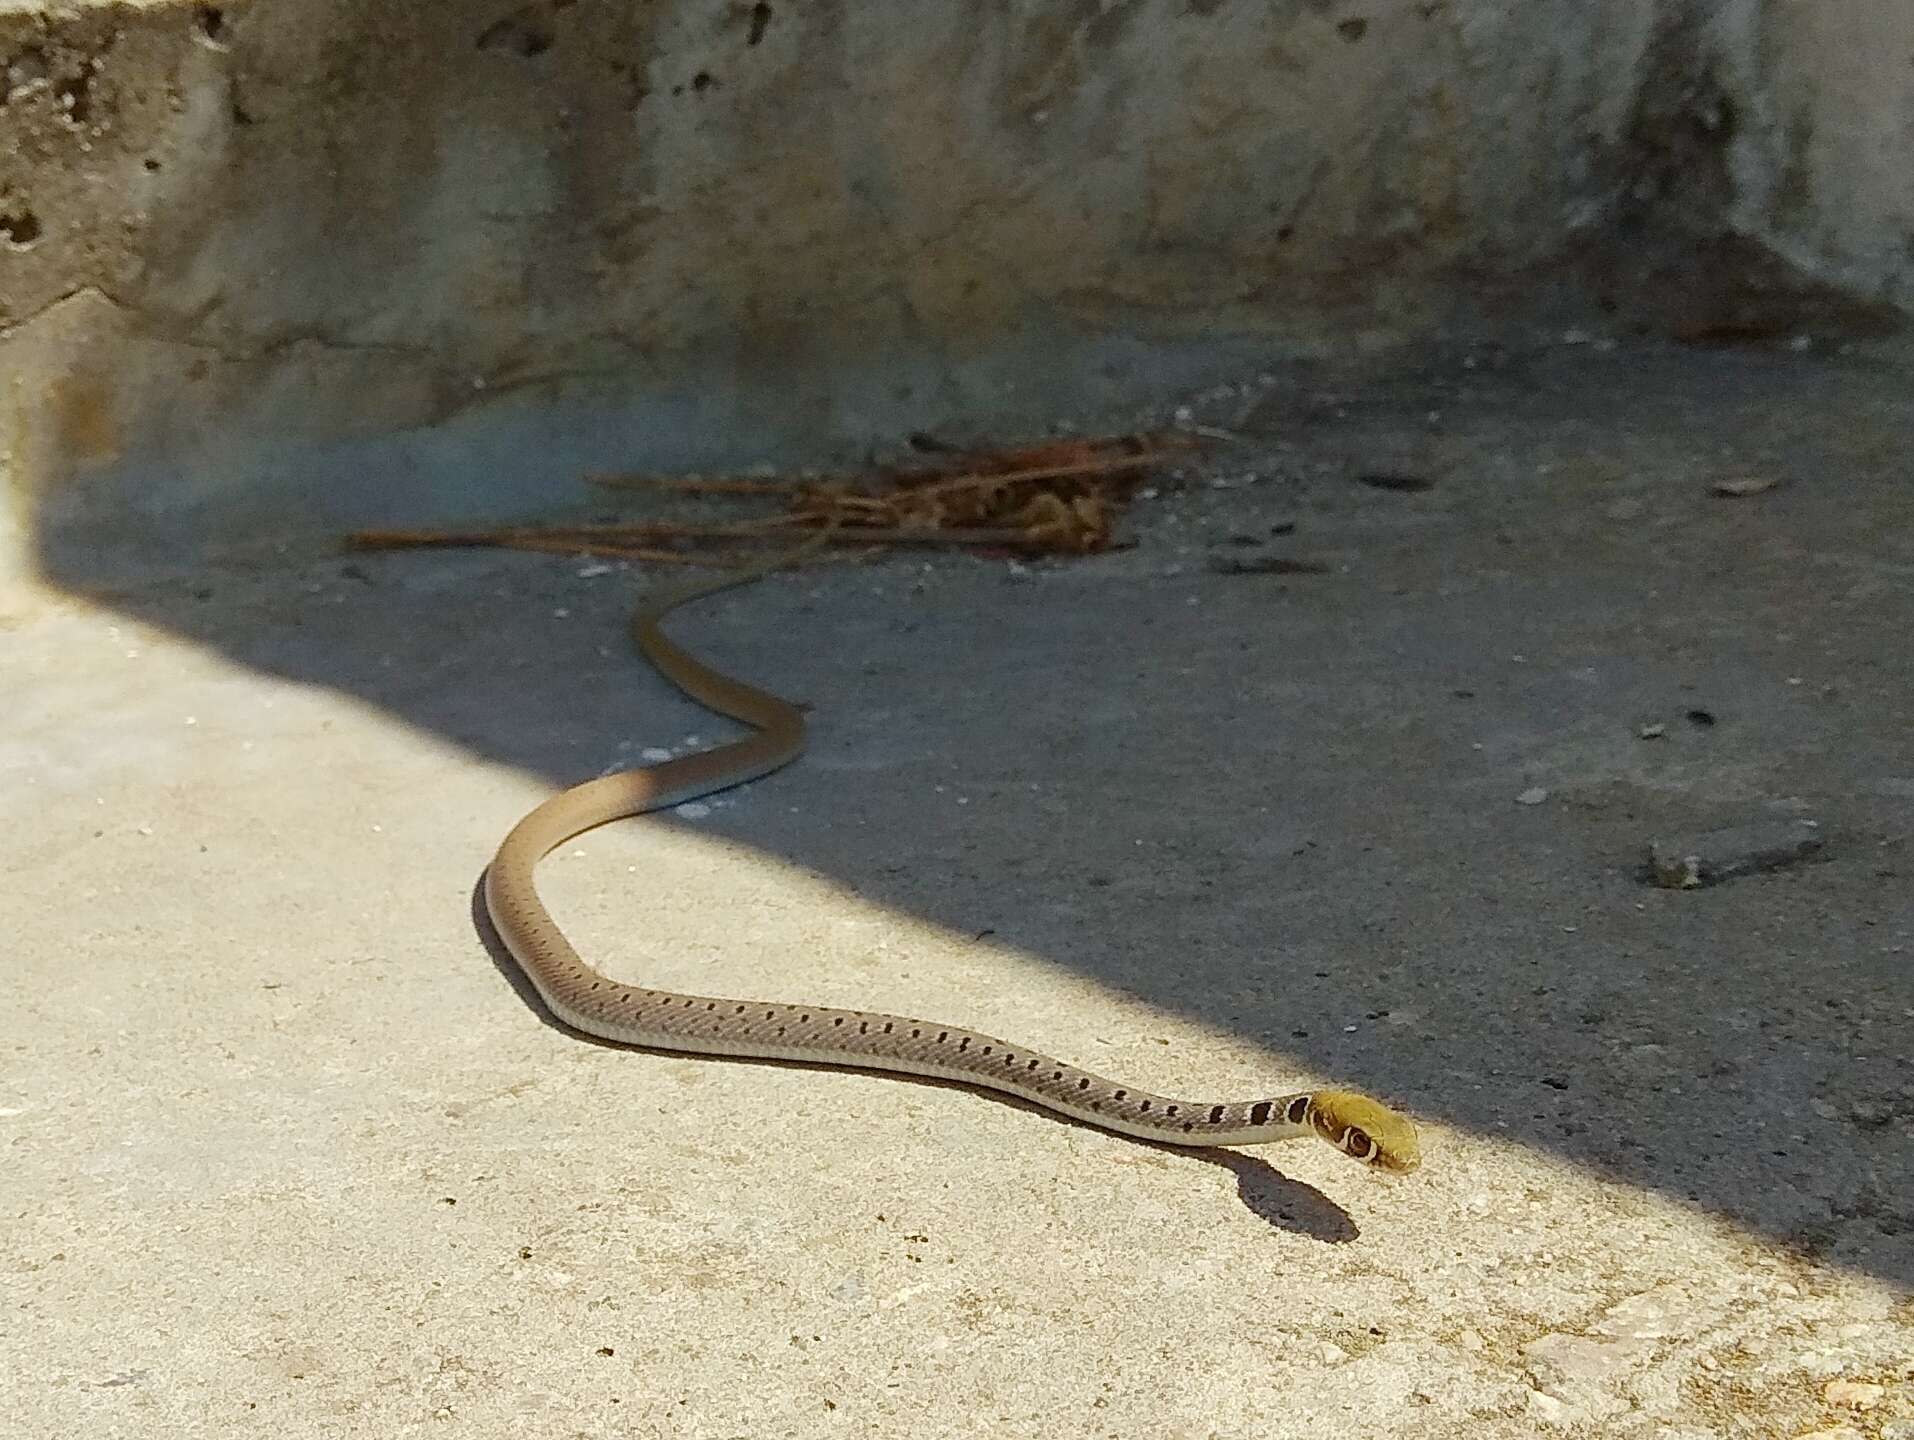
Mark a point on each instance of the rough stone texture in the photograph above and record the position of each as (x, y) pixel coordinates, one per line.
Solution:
(286, 264)
(285, 1151)
(1693, 861)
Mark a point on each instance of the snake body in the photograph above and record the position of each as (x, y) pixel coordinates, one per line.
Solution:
(587, 1000)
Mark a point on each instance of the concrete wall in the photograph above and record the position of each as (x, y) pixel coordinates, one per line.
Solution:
(1824, 165)
(295, 263)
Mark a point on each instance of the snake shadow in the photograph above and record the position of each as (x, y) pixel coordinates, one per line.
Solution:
(1267, 1193)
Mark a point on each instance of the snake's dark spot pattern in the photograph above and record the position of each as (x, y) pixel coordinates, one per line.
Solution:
(1360, 1126)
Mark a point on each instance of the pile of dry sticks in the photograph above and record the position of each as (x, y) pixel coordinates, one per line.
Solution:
(1057, 497)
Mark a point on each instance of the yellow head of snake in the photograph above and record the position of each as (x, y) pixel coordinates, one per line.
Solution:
(1366, 1129)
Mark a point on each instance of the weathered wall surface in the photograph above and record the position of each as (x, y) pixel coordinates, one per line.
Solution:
(301, 262)
(1826, 171)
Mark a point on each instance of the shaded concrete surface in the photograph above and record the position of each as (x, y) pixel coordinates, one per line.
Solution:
(244, 245)
(285, 1149)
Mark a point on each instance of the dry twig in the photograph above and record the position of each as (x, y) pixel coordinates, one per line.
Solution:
(1055, 497)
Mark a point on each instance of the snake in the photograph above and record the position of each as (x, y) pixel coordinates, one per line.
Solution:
(589, 1001)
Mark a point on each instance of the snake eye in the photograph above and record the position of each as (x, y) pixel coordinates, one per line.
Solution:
(1365, 1130)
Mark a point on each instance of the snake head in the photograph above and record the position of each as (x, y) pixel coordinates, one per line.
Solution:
(1366, 1129)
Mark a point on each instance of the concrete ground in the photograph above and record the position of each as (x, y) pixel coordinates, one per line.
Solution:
(288, 1152)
